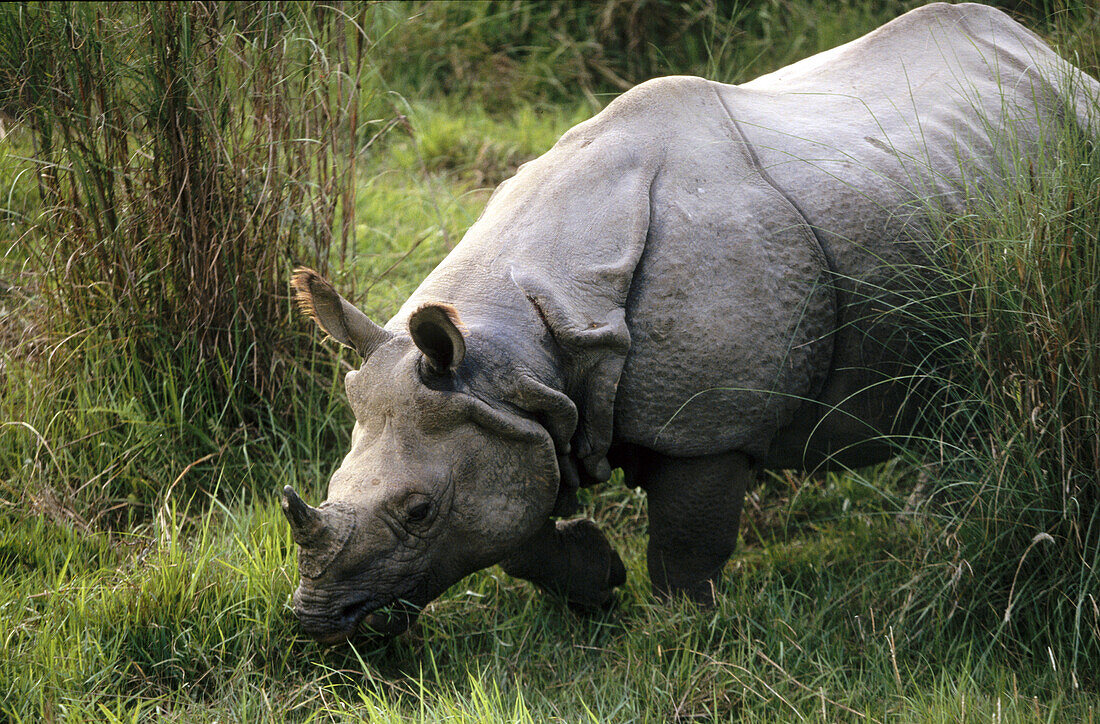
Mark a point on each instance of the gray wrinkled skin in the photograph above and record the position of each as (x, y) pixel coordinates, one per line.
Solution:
(689, 286)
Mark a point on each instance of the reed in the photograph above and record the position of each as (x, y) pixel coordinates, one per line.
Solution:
(1011, 374)
(186, 157)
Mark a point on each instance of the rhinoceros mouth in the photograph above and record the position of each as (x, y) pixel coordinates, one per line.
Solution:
(389, 621)
(371, 617)
(365, 616)
(355, 611)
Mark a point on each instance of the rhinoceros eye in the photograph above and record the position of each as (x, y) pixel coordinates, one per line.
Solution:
(418, 511)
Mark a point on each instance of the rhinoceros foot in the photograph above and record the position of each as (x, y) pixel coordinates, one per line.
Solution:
(572, 559)
(594, 570)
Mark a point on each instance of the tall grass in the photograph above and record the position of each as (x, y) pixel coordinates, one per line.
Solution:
(173, 175)
(507, 53)
(504, 54)
(1014, 419)
(185, 156)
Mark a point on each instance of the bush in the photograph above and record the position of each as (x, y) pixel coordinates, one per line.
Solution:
(186, 157)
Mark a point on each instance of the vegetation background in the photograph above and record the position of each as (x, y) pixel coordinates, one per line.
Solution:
(164, 166)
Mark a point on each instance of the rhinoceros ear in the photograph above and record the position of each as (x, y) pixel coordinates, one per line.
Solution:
(336, 315)
(437, 332)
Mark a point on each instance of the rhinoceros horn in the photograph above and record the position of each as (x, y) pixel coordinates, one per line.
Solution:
(306, 523)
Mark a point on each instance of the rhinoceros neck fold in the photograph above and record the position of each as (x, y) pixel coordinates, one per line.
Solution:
(545, 272)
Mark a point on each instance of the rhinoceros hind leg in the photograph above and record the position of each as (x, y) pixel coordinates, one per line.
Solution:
(572, 559)
(694, 517)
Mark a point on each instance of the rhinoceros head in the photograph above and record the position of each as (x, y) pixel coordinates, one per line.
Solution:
(438, 483)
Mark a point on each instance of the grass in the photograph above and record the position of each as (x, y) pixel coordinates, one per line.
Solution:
(191, 619)
(1013, 376)
(147, 568)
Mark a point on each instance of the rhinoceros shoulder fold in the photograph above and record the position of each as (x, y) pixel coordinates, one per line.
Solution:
(554, 253)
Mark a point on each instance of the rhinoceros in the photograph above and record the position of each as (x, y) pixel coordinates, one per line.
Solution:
(693, 286)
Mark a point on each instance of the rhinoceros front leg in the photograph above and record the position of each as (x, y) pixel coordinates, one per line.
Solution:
(694, 517)
(570, 558)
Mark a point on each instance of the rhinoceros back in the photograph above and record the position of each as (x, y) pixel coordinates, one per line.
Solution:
(918, 117)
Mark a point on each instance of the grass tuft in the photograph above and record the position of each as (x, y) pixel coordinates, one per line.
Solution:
(1013, 439)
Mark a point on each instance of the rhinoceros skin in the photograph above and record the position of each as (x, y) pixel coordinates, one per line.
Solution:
(691, 286)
